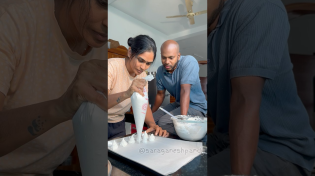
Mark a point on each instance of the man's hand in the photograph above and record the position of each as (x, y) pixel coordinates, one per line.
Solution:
(244, 122)
(149, 120)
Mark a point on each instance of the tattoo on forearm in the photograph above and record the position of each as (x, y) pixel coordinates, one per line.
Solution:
(118, 100)
(36, 126)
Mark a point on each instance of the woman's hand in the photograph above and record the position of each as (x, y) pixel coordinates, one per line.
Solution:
(136, 86)
(158, 131)
(91, 77)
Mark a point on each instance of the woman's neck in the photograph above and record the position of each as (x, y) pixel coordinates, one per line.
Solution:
(127, 63)
(68, 29)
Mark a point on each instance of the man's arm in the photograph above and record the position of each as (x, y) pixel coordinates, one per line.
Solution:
(244, 122)
(184, 98)
(159, 98)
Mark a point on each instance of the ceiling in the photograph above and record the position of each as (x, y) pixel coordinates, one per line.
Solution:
(153, 13)
(191, 38)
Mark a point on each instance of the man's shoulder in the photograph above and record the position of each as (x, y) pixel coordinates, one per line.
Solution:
(248, 14)
(249, 6)
(188, 57)
(159, 70)
(188, 60)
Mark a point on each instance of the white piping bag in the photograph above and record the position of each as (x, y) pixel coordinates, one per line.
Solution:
(139, 106)
(90, 131)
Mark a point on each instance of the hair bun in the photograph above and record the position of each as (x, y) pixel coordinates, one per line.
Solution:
(130, 41)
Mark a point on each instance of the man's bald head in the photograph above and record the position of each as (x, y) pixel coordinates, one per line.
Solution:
(170, 55)
(170, 45)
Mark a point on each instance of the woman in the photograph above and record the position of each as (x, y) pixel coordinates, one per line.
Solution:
(46, 72)
(124, 78)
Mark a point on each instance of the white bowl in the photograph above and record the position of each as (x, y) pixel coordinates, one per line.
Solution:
(190, 128)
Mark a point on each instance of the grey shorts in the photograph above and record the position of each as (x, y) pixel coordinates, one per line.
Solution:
(161, 118)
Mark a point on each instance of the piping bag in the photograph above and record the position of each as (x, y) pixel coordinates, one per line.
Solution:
(90, 131)
(139, 107)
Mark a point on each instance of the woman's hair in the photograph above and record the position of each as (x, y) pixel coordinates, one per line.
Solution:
(141, 44)
(102, 3)
(86, 7)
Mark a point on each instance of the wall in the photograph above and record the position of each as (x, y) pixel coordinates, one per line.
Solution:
(302, 35)
(123, 26)
(197, 47)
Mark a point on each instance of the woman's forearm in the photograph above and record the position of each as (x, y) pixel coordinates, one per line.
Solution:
(115, 99)
(21, 125)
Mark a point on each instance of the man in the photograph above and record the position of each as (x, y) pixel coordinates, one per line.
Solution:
(262, 126)
(179, 75)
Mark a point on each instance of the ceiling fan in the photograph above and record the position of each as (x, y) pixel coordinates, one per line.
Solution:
(190, 15)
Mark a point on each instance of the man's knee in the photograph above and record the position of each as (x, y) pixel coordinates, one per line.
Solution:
(157, 115)
(195, 112)
(165, 120)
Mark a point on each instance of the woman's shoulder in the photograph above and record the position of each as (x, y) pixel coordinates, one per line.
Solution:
(25, 6)
(12, 3)
(116, 65)
(24, 14)
(116, 61)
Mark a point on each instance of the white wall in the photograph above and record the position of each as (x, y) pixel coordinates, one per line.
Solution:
(196, 46)
(123, 26)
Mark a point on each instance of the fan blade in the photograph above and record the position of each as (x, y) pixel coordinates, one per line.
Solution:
(189, 5)
(191, 20)
(201, 12)
(176, 16)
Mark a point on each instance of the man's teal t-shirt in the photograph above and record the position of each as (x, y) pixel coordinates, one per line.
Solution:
(250, 39)
(186, 72)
